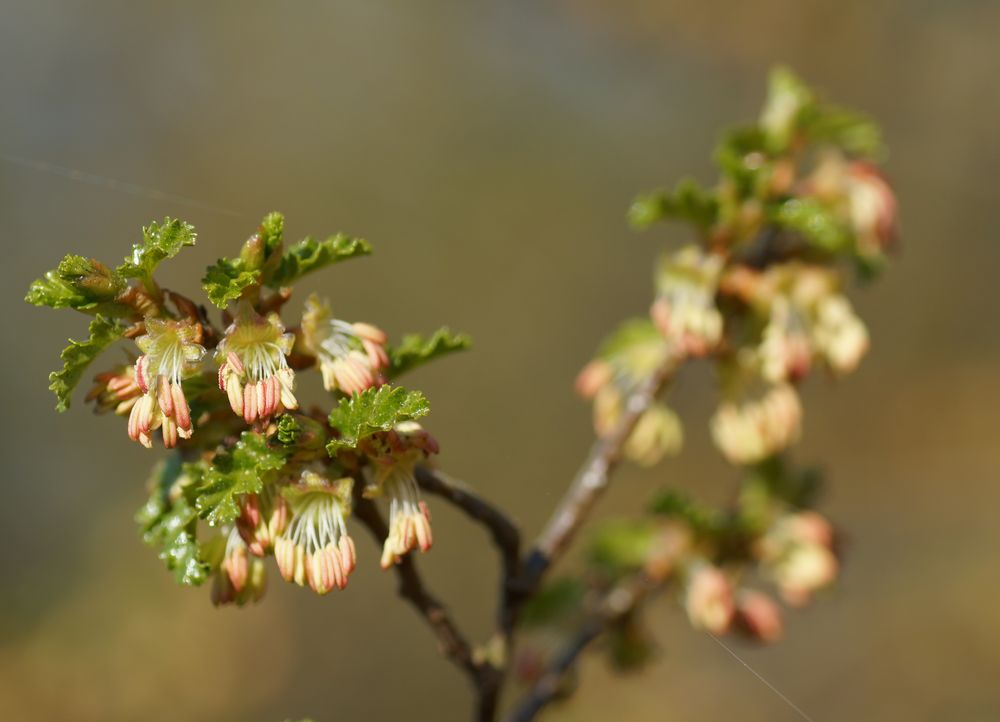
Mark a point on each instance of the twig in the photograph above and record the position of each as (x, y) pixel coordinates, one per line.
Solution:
(507, 540)
(411, 588)
(615, 605)
(505, 534)
(592, 479)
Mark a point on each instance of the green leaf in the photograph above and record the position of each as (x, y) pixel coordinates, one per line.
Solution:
(169, 521)
(678, 505)
(853, 132)
(240, 470)
(817, 223)
(688, 201)
(373, 410)
(78, 356)
(621, 546)
(788, 100)
(556, 600)
(160, 241)
(79, 283)
(415, 350)
(631, 333)
(227, 280)
(310, 255)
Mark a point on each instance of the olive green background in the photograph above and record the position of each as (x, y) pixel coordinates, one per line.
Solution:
(489, 151)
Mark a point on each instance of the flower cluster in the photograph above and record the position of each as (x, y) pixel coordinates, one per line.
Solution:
(759, 293)
(253, 476)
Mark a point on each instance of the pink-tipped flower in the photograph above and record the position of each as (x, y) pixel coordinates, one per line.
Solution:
(254, 373)
(685, 310)
(840, 336)
(759, 616)
(708, 598)
(315, 548)
(797, 552)
(752, 431)
(170, 352)
(263, 517)
(391, 474)
(240, 578)
(115, 391)
(785, 350)
(351, 356)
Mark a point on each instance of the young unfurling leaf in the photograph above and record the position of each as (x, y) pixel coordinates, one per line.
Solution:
(79, 283)
(310, 255)
(160, 241)
(227, 279)
(77, 357)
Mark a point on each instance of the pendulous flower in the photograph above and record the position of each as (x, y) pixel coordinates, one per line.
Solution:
(170, 352)
(708, 598)
(797, 553)
(685, 310)
(351, 355)
(315, 548)
(752, 431)
(392, 474)
(115, 390)
(254, 372)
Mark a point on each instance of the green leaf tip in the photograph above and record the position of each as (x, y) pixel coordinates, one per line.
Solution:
(78, 356)
(310, 255)
(688, 201)
(240, 470)
(373, 410)
(160, 241)
(415, 350)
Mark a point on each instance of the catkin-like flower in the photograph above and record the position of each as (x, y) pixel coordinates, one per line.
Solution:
(254, 372)
(315, 548)
(170, 352)
(351, 356)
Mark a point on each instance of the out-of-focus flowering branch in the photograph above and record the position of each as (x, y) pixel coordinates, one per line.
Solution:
(757, 291)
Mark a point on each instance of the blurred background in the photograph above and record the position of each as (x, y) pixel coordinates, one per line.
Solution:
(489, 150)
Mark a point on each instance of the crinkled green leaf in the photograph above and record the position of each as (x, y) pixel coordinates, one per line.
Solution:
(631, 333)
(169, 522)
(79, 283)
(739, 155)
(853, 132)
(621, 546)
(78, 356)
(819, 225)
(240, 470)
(687, 201)
(375, 409)
(310, 255)
(227, 280)
(160, 241)
(415, 350)
(555, 601)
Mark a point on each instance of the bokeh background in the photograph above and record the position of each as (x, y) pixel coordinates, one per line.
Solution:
(489, 150)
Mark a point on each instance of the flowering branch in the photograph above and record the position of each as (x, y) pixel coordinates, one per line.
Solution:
(758, 294)
(593, 478)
